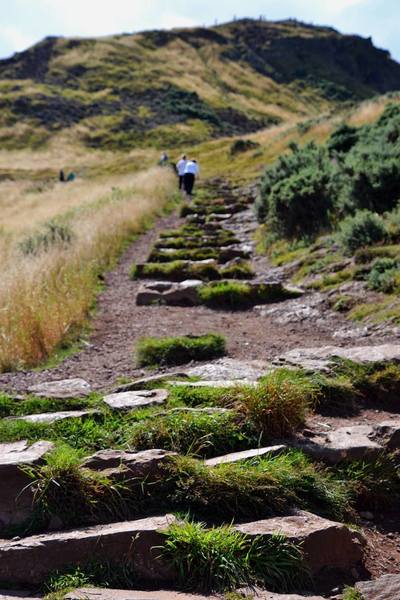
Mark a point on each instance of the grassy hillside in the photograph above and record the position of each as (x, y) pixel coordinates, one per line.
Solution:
(167, 89)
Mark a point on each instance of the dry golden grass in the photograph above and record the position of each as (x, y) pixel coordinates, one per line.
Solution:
(46, 298)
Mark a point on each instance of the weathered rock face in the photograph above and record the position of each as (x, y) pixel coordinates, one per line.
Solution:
(326, 544)
(269, 452)
(65, 388)
(102, 594)
(30, 560)
(146, 464)
(134, 400)
(319, 358)
(388, 434)
(230, 369)
(184, 293)
(386, 587)
(54, 416)
(344, 443)
(15, 494)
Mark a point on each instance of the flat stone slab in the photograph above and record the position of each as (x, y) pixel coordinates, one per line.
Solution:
(319, 358)
(109, 594)
(64, 388)
(11, 595)
(30, 560)
(233, 457)
(139, 384)
(184, 293)
(16, 496)
(326, 544)
(386, 587)
(54, 416)
(258, 594)
(230, 369)
(147, 463)
(343, 444)
(135, 400)
(214, 384)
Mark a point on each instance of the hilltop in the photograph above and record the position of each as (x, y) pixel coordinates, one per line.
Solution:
(167, 88)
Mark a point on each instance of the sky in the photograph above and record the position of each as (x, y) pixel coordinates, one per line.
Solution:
(24, 22)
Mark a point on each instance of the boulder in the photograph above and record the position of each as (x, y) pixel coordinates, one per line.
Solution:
(319, 358)
(16, 495)
(54, 416)
(108, 594)
(230, 369)
(343, 444)
(64, 388)
(233, 457)
(184, 293)
(141, 383)
(135, 400)
(146, 464)
(30, 560)
(326, 544)
(386, 587)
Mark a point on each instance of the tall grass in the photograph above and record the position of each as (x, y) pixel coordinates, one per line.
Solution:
(46, 298)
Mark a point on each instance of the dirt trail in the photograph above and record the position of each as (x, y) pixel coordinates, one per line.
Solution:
(250, 334)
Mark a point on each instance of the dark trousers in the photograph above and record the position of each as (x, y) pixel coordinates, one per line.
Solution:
(181, 182)
(188, 182)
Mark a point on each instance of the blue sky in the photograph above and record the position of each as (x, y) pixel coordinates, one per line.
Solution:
(24, 22)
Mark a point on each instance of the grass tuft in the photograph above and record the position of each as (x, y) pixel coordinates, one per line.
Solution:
(237, 296)
(179, 350)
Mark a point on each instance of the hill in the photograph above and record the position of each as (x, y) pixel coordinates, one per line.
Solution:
(168, 88)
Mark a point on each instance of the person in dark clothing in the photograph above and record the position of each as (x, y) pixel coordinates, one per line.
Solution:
(189, 177)
(61, 176)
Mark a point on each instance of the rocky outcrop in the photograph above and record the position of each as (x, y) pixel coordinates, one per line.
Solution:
(326, 544)
(386, 587)
(134, 543)
(16, 495)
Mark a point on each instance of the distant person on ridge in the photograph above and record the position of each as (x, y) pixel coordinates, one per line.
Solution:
(190, 174)
(180, 169)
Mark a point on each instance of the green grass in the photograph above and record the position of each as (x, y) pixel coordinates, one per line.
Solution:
(350, 593)
(239, 270)
(177, 270)
(236, 296)
(220, 238)
(10, 407)
(222, 559)
(179, 350)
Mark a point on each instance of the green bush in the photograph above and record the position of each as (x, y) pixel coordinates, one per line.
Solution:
(384, 275)
(363, 229)
(342, 139)
(240, 146)
(179, 350)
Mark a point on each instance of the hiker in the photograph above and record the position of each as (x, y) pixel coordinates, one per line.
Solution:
(189, 176)
(180, 169)
(61, 176)
(163, 159)
(71, 176)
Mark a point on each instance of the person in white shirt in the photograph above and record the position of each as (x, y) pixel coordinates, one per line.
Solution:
(190, 174)
(180, 168)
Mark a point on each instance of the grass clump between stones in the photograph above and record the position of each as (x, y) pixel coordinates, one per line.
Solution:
(222, 559)
(153, 351)
(158, 255)
(236, 296)
(177, 270)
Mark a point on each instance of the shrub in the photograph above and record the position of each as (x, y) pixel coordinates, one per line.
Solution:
(342, 139)
(363, 229)
(179, 350)
(240, 146)
(384, 275)
(222, 559)
(54, 234)
(236, 296)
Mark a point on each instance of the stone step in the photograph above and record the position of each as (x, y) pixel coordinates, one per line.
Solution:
(233, 457)
(52, 417)
(110, 594)
(16, 496)
(134, 400)
(184, 293)
(64, 388)
(326, 544)
(145, 464)
(229, 383)
(386, 587)
(230, 369)
(142, 382)
(357, 442)
(182, 272)
(316, 359)
(30, 560)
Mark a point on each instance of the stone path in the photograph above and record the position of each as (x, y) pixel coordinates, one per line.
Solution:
(275, 331)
